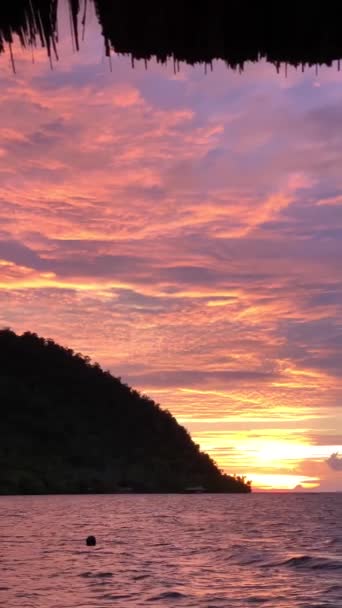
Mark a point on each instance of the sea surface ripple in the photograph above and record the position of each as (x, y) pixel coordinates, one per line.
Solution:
(212, 551)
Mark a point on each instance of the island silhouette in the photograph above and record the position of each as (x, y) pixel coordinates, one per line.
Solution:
(299, 34)
(67, 426)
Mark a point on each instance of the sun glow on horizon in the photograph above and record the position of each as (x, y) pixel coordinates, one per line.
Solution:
(269, 482)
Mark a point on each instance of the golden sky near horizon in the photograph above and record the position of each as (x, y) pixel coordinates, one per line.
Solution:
(185, 231)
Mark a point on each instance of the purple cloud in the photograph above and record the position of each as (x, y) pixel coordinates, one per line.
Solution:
(335, 462)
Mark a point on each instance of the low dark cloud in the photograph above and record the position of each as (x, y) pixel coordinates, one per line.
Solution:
(335, 462)
(314, 343)
(191, 275)
(18, 253)
(197, 378)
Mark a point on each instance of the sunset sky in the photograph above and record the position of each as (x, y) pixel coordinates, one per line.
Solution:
(185, 231)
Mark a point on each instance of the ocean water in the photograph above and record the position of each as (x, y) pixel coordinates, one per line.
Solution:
(212, 551)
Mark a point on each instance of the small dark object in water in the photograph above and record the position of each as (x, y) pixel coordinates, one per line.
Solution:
(91, 541)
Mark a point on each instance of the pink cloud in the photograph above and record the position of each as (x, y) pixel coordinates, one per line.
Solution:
(182, 230)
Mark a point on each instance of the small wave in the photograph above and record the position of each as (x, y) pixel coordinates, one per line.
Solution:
(113, 596)
(161, 545)
(334, 588)
(301, 560)
(167, 595)
(249, 562)
(95, 574)
(333, 541)
(310, 563)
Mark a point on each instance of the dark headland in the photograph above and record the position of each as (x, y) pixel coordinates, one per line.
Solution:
(296, 33)
(67, 426)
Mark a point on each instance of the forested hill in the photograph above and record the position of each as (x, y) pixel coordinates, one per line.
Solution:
(68, 426)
